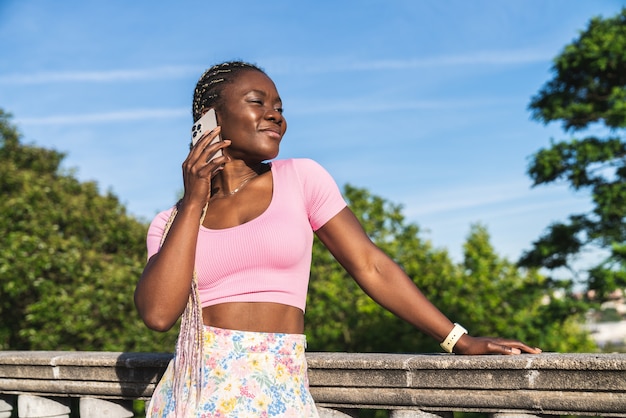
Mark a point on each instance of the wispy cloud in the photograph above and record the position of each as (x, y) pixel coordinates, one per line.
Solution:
(470, 197)
(330, 65)
(306, 108)
(495, 200)
(284, 66)
(91, 118)
(101, 76)
(364, 106)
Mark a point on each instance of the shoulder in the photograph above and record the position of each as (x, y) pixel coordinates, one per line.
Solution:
(161, 218)
(304, 171)
(300, 165)
(320, 193)
(156, 230)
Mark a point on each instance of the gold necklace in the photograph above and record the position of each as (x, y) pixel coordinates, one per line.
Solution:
(236, 190)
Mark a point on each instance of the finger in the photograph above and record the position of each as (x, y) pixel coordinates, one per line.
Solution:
(207, 137)
(203, 155)
(195, 154)
(212, 149)
(523, 347)
(213, 158)
(512, 350)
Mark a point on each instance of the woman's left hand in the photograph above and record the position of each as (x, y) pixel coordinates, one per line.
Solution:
(469, 345)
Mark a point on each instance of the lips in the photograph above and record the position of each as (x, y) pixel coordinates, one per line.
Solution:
(273, 132)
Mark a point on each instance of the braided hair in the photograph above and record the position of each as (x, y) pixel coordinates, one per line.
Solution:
(208, 91)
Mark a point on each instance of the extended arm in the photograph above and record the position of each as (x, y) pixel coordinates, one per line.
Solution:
(383, 280)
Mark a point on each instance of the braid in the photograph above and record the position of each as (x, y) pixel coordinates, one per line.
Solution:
(207, 93)
(189, 345)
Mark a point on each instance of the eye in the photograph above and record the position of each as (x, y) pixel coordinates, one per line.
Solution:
(279, 110)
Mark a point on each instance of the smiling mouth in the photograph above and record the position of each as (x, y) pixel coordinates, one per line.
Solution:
(272, 132)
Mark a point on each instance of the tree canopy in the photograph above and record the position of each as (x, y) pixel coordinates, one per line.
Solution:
(587, 94)
(69, 258)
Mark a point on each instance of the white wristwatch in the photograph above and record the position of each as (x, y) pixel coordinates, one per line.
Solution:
(453, 337)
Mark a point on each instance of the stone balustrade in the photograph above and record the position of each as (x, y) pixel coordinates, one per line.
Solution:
(103, 384)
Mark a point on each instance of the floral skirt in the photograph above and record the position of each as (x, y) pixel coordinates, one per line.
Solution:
(245, 374)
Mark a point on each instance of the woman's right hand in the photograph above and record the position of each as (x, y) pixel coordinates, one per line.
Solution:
(198, 169)
(163, 290)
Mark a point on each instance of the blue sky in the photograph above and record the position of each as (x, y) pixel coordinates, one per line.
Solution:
(424, 103)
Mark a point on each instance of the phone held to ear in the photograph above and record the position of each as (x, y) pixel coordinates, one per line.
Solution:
(205, 124)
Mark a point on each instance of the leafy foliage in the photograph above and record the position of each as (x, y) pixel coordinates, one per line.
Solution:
(589, 78)
(69, 258)
(588, 91)
(498, 298)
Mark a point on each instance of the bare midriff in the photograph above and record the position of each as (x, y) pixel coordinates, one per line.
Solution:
(255, 316)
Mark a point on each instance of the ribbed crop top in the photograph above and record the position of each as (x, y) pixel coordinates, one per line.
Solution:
(267, 259)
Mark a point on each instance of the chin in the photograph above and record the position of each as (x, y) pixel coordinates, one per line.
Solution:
(272, 154)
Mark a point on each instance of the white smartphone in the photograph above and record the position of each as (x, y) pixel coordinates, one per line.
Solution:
(206, 123)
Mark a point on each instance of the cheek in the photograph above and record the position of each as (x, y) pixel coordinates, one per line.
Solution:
(230, 127)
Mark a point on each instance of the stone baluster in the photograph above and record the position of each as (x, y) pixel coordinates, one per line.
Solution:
(6, 405)
(97, 408)
(336, 413)
(29, 406)
(416, 413)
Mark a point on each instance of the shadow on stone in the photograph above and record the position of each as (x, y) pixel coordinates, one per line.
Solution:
(138, 373)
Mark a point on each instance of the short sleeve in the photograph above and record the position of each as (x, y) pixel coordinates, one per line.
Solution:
(155, 232)
(322, 196)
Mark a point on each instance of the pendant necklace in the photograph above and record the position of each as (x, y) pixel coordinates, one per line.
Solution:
(243, 183)
(236, 190)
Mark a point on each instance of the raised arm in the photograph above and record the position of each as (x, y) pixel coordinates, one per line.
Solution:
(163, 289)
(385, 282)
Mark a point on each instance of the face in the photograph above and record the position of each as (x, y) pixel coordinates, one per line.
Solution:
(251, 117)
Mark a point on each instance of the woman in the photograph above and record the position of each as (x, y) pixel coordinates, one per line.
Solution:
(233, 258)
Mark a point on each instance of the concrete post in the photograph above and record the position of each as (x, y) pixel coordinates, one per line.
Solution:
(98, 408)
(38, 407)
(335, 413)
(416, 413)
(6, 405)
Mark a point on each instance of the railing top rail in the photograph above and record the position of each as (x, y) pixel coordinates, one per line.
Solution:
(322, 360)
(575, 384)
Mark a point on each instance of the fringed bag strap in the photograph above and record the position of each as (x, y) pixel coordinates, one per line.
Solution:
(189, 346)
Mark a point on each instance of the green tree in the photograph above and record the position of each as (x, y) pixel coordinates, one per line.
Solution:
(495, 297)
(69, 258)
(587, 94)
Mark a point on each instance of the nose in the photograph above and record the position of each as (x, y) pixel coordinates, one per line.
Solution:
(274, 115)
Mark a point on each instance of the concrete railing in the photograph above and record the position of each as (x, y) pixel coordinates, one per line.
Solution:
(98, 384)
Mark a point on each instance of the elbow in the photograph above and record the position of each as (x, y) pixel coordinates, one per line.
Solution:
(157, 324)
(154, 318)
(156, 321)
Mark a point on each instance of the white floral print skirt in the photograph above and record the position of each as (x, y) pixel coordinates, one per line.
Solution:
(245, 374)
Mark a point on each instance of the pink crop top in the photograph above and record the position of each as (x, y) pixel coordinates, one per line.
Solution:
(267, 259)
